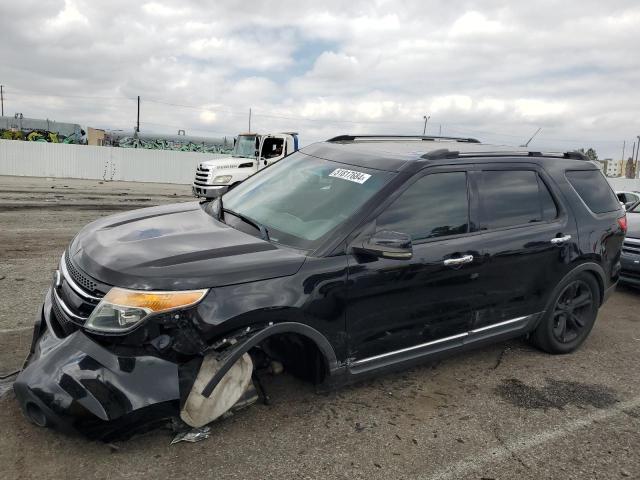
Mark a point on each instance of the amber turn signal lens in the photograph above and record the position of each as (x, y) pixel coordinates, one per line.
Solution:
(154, 301)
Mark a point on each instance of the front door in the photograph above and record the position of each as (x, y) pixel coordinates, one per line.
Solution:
(272, 149)
(401, 308)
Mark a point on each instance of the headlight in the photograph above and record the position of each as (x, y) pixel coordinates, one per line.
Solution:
(222, 179)
(120, 309)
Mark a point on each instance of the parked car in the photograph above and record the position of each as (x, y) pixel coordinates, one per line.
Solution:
(628, 199)
(347, 258)
(631, 248)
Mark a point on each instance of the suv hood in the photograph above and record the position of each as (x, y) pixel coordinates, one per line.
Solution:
(176, 247)
(633, 225)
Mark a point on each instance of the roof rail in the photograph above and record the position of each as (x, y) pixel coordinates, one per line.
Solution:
(440, 154)
(444, 153)
(427, 138)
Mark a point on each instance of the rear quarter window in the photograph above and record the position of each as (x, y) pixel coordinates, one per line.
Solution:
(594, 190)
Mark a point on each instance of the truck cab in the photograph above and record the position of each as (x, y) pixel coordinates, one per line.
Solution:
(251, 152)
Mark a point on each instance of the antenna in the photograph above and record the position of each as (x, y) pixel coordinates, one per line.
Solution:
(532, 137)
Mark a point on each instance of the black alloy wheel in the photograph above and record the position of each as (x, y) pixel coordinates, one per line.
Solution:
(570, 317)
(572, 312)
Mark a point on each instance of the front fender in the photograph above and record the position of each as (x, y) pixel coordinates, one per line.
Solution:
(230, 357)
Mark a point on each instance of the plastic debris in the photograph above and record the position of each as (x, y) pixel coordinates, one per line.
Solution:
(194, 435)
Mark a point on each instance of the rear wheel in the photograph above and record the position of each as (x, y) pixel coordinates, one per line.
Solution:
(570, 319)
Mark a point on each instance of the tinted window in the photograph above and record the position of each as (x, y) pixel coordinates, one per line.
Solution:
(509, 198)
(434, 206)
(594, 190)
(549, 208)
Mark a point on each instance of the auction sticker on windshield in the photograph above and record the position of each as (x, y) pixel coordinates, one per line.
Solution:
(351, 175)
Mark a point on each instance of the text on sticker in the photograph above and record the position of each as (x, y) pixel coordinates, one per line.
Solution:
(351, 175)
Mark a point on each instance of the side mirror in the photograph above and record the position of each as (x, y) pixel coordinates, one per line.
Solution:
(388, 244)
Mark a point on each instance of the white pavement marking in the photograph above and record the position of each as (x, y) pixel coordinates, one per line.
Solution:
(527, 442)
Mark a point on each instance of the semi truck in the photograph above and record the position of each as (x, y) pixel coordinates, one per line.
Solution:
(251, 152)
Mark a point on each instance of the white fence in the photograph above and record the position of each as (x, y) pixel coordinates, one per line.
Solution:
(625, 184)
(39, 159)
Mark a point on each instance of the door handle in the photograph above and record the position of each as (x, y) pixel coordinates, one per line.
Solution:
(452, 262)
(558, 240)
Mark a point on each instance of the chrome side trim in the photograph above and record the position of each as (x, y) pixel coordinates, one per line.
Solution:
(64, 307)
(635, 241)
(441, 340)
(77, 288)
(501, 324)
(408, 349)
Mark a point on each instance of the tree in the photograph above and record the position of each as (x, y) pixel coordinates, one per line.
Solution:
(630, 170)
(590, 154)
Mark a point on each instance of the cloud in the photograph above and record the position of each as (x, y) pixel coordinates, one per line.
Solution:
(69, 17)
(475, 23)
(491, 69)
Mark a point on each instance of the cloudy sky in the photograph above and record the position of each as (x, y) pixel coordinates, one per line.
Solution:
(495, 70)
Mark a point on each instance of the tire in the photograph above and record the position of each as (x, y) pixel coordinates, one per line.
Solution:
(571, 316)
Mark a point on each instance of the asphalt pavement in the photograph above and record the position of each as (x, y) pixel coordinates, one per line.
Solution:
(502, 412)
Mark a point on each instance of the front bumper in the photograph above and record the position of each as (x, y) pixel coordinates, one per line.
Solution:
(75, 384)
(208, 191)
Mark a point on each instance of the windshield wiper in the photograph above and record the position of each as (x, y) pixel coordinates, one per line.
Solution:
(264, 233)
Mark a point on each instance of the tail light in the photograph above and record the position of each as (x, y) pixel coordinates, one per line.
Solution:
(622, 221)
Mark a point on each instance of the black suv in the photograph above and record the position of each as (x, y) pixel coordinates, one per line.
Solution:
(347, 258)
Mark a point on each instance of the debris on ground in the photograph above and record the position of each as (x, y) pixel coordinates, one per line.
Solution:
(194, 435)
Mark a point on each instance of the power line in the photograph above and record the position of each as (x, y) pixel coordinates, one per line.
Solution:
(453, 127)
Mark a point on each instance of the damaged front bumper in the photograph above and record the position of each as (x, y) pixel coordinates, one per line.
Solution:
(74, 384)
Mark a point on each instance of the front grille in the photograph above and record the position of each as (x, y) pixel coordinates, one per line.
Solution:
(59, 323)
(202, 176)
(81, 279)
(631, 246)
(74, 298)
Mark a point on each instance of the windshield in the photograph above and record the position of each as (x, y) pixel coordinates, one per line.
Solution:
(301, 198)
(245, 146)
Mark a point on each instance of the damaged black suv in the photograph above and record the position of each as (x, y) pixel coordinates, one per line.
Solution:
(347, 258)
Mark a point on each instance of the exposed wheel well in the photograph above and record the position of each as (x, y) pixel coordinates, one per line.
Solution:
(299, 355)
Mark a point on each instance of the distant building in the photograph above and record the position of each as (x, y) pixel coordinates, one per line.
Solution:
(95, 136)
(613, 168)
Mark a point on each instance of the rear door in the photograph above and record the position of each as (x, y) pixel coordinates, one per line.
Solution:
(527, 238)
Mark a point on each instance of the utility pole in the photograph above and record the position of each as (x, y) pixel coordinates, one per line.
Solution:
(636, 162)
(249, 120)
(426, 119)
(440, 131)
(2, 99)
(624, 144)
(138, 120)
